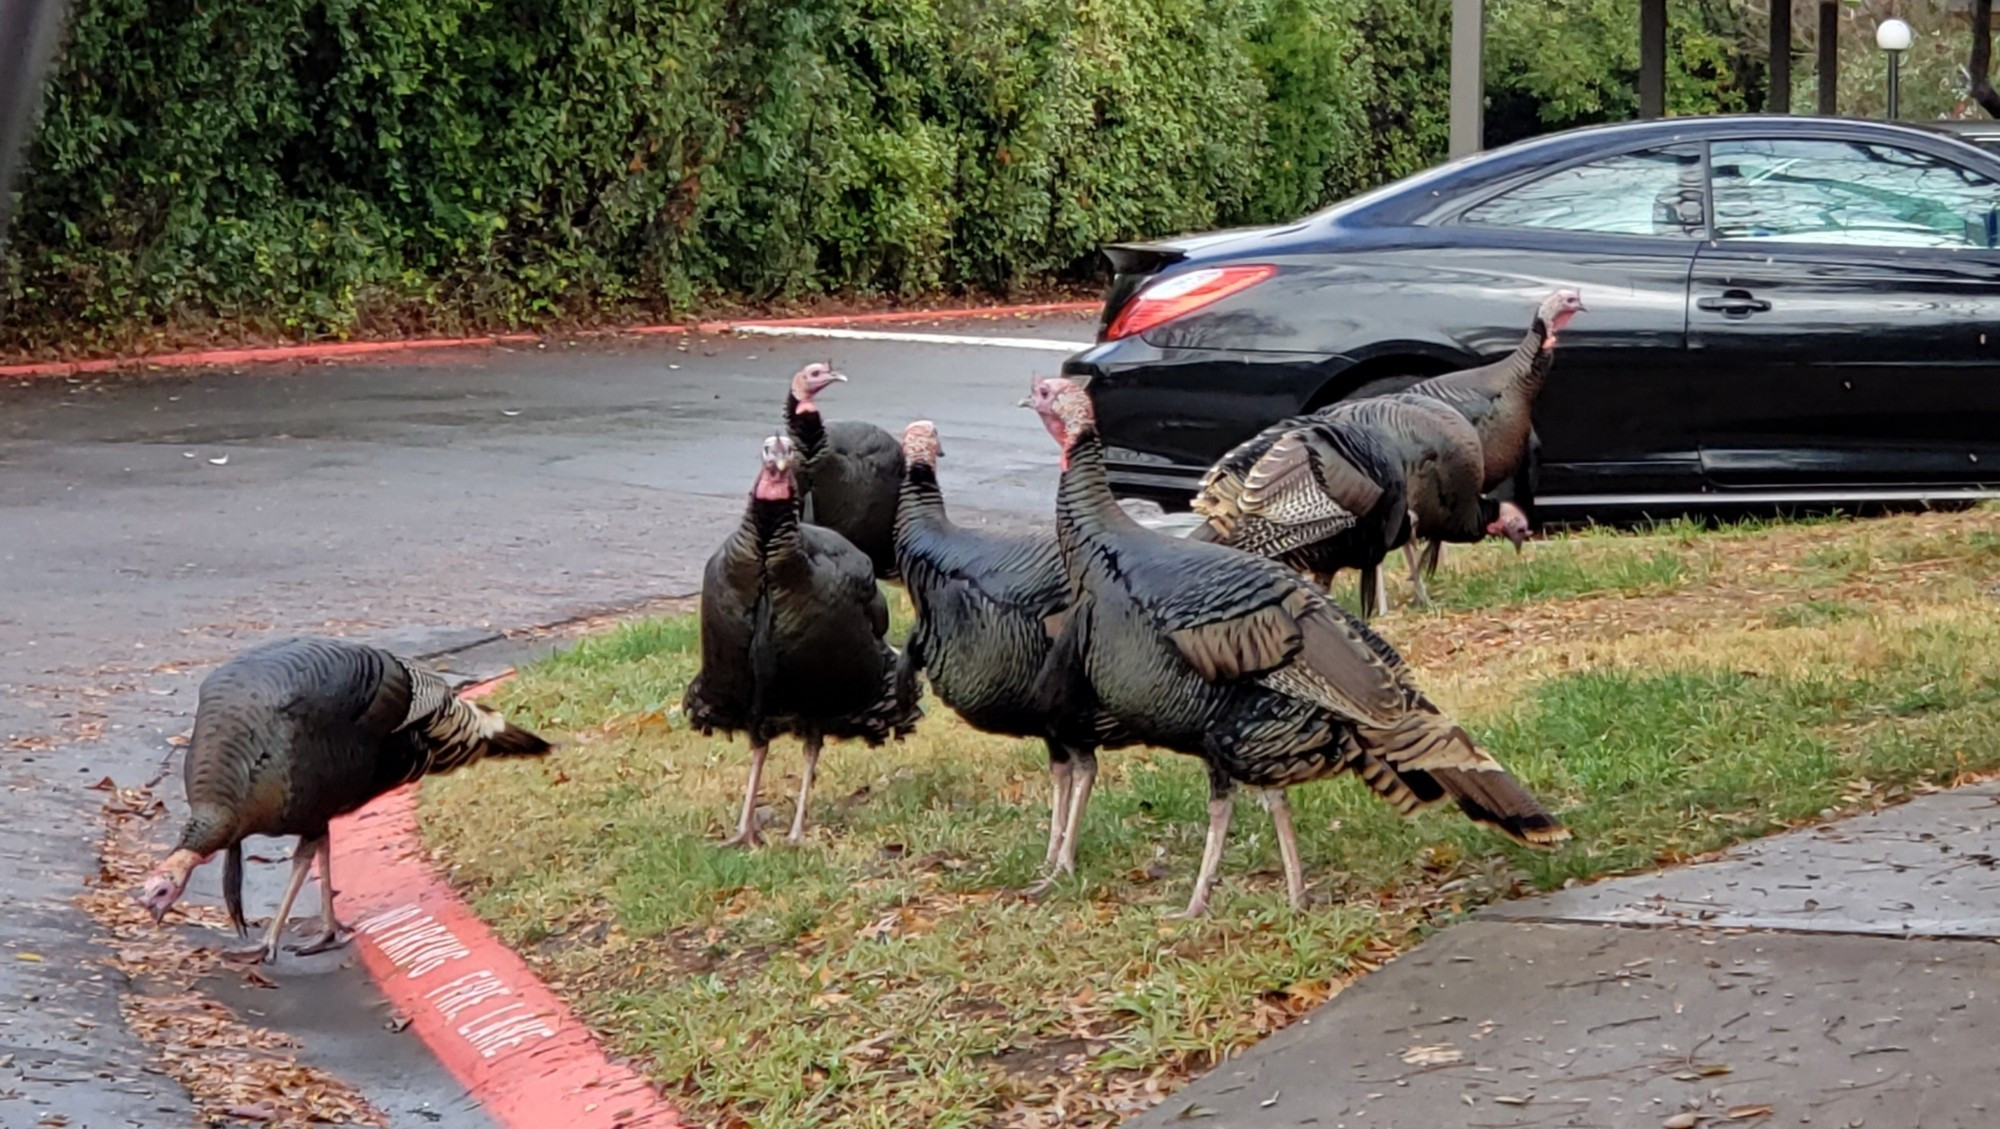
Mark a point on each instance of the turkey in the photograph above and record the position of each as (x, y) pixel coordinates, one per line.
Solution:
(849, 473)
(1209, 651)
(1441, 459)
(1318, 493)
(985, 601)
(1499, 398)
(292, 733)
(792, 640)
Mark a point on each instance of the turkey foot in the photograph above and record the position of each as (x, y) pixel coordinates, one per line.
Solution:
(1211, 859)
(333, 939)
(255, 954)
(746, 827)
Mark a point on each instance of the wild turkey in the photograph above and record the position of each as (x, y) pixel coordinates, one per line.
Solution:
(292, 733)
(985, 601)
(849, 473)
(1209, 651)
(1499, 398)
(1442, 464)
(792, 640)
(1318, 493)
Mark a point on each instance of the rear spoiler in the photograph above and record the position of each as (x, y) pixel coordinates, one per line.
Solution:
(1144, 258)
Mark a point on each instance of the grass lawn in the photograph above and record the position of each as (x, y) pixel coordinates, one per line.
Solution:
(1669, 692)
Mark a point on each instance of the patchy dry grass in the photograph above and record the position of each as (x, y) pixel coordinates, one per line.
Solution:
(1671, 692)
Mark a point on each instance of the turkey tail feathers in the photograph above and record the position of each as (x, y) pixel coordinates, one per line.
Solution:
(1427, 758)
(514, 741)
(453, 733)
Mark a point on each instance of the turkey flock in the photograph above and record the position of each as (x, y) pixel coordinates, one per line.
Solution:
(1095, 633)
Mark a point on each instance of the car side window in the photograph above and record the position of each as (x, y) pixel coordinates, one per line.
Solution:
(1654, 192)
(1850, 193)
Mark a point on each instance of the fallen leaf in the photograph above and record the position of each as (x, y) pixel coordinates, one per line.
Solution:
(1194, 1111)
(1746, 1112)
(31, 958)
(105, 785)
(252, 976)
(1513, 1099)
(1681, 1121)
(1711, 1069)
(1432, 1054)
(262, 1111)
(221, 461)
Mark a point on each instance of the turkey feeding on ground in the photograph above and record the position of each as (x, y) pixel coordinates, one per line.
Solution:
(792, 640)
(849, 473)
(986, 604)
(1319, 494)
(1442, 465)
(292, 733)
(1232, 658)
(1499, 398)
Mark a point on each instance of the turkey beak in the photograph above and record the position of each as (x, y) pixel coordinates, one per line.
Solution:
(1519, 537)
(1025, 403)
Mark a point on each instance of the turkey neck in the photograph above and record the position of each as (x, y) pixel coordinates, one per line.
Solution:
(807, 428)
(920, 504)
(1086, 510)
(1529, 365)
(774, 524)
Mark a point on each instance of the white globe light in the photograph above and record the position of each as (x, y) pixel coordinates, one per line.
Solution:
(1892, 35)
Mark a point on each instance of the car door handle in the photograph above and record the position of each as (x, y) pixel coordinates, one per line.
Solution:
(1734, 304)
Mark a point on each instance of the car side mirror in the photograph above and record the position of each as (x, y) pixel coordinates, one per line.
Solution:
(1982, 228)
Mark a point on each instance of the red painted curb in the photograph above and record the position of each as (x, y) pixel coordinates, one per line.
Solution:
(484, 1014)
(207, 358)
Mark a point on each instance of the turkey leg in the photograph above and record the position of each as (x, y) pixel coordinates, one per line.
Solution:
(1079, 799)
(746, 828)
(302, 856)
(1061, 772)
(798, 834)
(1280, 808)
(332, 932)
(1073, 781)
(1211, 855)
(1417, 570)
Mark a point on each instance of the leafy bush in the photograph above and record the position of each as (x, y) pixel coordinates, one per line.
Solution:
(322, 167)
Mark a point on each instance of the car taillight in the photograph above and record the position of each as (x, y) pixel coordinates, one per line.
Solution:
(1183, 294)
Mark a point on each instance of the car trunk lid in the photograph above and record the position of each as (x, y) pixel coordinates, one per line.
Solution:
(1132, 264)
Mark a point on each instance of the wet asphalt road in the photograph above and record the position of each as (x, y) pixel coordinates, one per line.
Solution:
(150, 526)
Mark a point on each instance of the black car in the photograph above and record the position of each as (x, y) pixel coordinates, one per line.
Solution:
(1781, 310)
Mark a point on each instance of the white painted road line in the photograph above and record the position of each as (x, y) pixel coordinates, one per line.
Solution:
(1044, 344)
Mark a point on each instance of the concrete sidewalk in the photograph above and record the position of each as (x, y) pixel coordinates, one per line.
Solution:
(1845, 975)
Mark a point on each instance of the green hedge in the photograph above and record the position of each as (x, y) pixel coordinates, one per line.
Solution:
(314, 167)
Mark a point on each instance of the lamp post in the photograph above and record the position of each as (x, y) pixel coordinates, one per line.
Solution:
(1893, 36)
